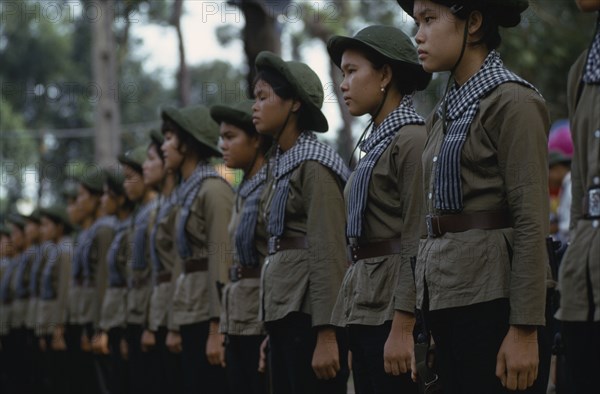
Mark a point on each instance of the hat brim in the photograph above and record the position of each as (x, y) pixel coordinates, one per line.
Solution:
(173, 114)
(317, 121)
(337, 45)
(223, 113)
(128, 162)
(56, 218)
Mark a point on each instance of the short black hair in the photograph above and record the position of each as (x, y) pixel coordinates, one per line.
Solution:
(490, 27)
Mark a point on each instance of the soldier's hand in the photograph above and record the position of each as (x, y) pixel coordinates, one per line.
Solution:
(262, 357)
(399, 348)
(42, 344)
(58, 339)
(173, 342)
(100, 343)
(148, 340)
(326, 357)
(124, 348)
(215, 351)
(86, 345)
(517, 360)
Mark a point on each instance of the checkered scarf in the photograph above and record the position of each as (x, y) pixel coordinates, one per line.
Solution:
(307, 148)
(188, 191)
(77, 262)
(104, 221)
(44, 250)
(52, 254)
(462, 106)
(250, 191)
(166, 203)
(32, 252)
(6, 277)
(140, 230)
(116, 277)
(374, 146)
(591, 74)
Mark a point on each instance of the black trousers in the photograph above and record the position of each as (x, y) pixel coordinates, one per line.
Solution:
(467, 342)
(366, 345)
(242, 355)
(199, 377)
(165, 367)
(582, 351)
(83, 371)
(292, 342)
(139, 362)
(118, 376)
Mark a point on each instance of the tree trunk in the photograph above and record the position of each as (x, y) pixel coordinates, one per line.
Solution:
(183, 75)
(107, 133)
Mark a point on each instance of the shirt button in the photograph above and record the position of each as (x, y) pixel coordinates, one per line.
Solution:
(434, 159)
(430, 195)
(596, 180)
(597, 133)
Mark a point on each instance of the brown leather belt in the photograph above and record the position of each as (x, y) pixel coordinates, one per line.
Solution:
(163, 277)
(457, 223)
(195, 265)
(374, 249)
(238, 272)
(277, 244)
(136, 283)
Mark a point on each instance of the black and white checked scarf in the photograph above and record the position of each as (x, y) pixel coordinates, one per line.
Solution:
(6, 278)
(115, 277)
(250, 191)
(166, 203)
(52, 255)
(462, 106)
(188, 191)
(77, 262)
(140, 230)
(591, 74)
(34, 278)
(104, 221)
(32, 252)
(374, 146)
(307, 148)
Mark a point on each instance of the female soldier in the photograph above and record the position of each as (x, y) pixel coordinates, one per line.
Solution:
(165, 369)
(138, 268)
(243, 148)
(114, 307)
(580, 269)
(383, 199)
(482, 268)
(303, 214)
(205, 201)
(54, 286)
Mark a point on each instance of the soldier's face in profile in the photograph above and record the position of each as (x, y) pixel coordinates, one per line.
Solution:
(48, 229)
(87, 202)
(153, 168)
(172, 153)
(133, 184)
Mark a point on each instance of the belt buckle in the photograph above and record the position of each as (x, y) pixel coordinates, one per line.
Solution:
(234, 273)
(593, 200)
(352, 250)
(273, 245)
(429, 223)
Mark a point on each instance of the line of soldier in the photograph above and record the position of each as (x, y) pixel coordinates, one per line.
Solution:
(175, 282)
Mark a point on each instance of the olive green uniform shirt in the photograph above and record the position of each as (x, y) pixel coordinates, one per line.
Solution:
(583, 254)
(306, 280)
(114, 304)
(18, 314)
(504, 166)
(196, 297)
(374, 288)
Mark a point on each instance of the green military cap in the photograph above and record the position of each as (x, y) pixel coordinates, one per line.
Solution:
(115, 179)
(196, 121)
(93, 180)
(57, 213)
(506, 12)
(239, 114)
(156, 137)
(389, 42)
(134, 158)
(69, 192)
(4, 229)
(16, 219)
(305, 83)
(34, 216)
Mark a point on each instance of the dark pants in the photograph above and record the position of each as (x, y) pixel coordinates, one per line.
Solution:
(198, 375)
(242, 355)
(83, 371)
(165, 367)
(19, 353)
(118, 377)
(139, 362)
(467, 343)
(292, 341)
(582, 351)
(366, 345)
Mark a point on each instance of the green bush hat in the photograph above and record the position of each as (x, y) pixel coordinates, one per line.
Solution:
(34, 216)
(4, 230)
(196, 121)
(134, 158)
(506, 12)
(156, 137)
(69, 192)
(16, 219)
(93, 181)
(305, 83)
(239, 114)
(389, 42)
(115, 179)
(57, 213)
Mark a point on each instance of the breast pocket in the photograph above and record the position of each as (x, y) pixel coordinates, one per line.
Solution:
(375, 282)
